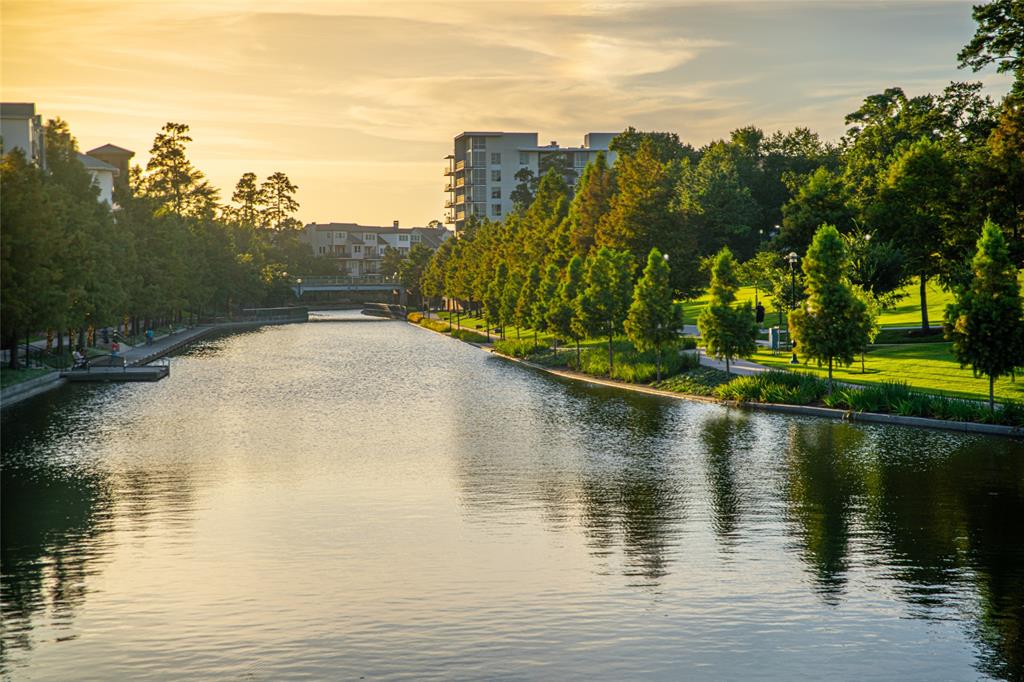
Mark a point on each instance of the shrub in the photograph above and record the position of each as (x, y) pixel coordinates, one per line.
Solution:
(436, 325)
(466, 335)
(632, 365)
(414, 317)
(687, 342)
(792, 388)
(695, 381)
(517, 348)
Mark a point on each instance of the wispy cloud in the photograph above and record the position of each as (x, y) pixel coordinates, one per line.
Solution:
(357, 100)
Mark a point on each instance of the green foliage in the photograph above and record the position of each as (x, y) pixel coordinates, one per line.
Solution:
(791, 388)
(469, 336)
(999, 38)
(631, 365)
(527, 300)
(695, 381)
(822, 199)
(653, 318)
(171, 179)
(591, 202)
(517, 348)
(831, 326)
(727, 331)
(986, 323)
(604, 299)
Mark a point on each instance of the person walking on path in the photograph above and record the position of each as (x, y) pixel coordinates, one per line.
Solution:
(149, 337)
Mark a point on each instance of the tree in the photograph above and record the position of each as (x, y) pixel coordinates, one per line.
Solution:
(666, 146)
(716, 204)
(391, 261)
(278, 197)
(653, 318)
(605, 298)
(876, 266)
(872, 309)
(493, 298)
(249, 198)
(31, 291)
(527, 300)
(914, 209)
(727, 331)
(999, 38)
(591, 202)
(821, 199)
(831, 325)
(986, 322)
(172, 179)
(411, 269)
(547, 297)
(640, 216)
(522, 195)
(509, 300)
(562, 315)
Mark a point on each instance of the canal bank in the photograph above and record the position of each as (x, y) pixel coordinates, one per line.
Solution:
(806, 410)
(138, 356)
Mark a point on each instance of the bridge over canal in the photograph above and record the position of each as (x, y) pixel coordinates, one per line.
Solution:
(364, 287)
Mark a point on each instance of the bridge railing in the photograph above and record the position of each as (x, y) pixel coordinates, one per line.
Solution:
(323, 280)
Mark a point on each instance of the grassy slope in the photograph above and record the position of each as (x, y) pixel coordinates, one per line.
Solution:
(906, 313)
(926, 366)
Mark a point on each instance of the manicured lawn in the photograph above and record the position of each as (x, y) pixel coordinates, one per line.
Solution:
(9, 377)
(926, 366)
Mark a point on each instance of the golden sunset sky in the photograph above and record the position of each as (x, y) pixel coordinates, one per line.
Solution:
(358, 101)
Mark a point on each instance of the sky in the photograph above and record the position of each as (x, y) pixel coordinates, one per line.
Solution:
(358, 102)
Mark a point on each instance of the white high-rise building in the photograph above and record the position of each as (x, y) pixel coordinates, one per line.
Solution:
(481, 172)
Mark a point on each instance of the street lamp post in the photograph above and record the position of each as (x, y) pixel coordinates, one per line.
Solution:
(299, 282)
(792, 258)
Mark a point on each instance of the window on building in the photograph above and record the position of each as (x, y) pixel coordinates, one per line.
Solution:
(403, 249)
(357, 248)
(495, 176)
(403, 237)
(495, 209)
(415, 238)
(495, 157)
(478, 176)
(524, 158)
(479, 143)
(495, 192)
(478, 159)
(370, 237)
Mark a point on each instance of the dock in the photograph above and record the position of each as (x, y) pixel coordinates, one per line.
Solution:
(106, 373)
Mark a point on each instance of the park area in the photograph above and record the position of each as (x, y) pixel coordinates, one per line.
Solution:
(900, 353)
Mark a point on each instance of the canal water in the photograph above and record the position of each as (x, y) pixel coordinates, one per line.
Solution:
(344, 500)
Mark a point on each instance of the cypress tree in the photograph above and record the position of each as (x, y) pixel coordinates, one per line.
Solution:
(547, 292)
(607, 291)
(985, 323)
(653, 317)
(527, 299)
(831, 325)
(561, 314)
(727, 331)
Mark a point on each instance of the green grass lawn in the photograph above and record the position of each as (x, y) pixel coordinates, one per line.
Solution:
(9, 377)
(906, 313)
(929, 367)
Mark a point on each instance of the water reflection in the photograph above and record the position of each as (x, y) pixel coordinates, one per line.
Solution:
(410, 496)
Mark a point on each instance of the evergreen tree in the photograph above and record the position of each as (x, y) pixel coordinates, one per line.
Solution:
(986, 323)
(509, 299)
(249, 199)
(819, 200)
(493, 296)
(562, 315)
(831, 325)
(605, 298)
(592, 201)
(653, 318)
(727, 331)
(171, 178)
(278, 197)
(640, 215)
(547, 295)
(527, 300)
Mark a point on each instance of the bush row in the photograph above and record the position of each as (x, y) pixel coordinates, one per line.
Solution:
(893, 397)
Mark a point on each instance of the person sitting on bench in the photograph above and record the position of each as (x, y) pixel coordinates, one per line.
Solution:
(79, 359)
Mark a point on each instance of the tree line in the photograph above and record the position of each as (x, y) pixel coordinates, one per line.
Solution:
(904, 193)
(167, 252)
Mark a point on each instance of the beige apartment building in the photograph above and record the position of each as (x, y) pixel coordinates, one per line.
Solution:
(359, 249)
(480, 175)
